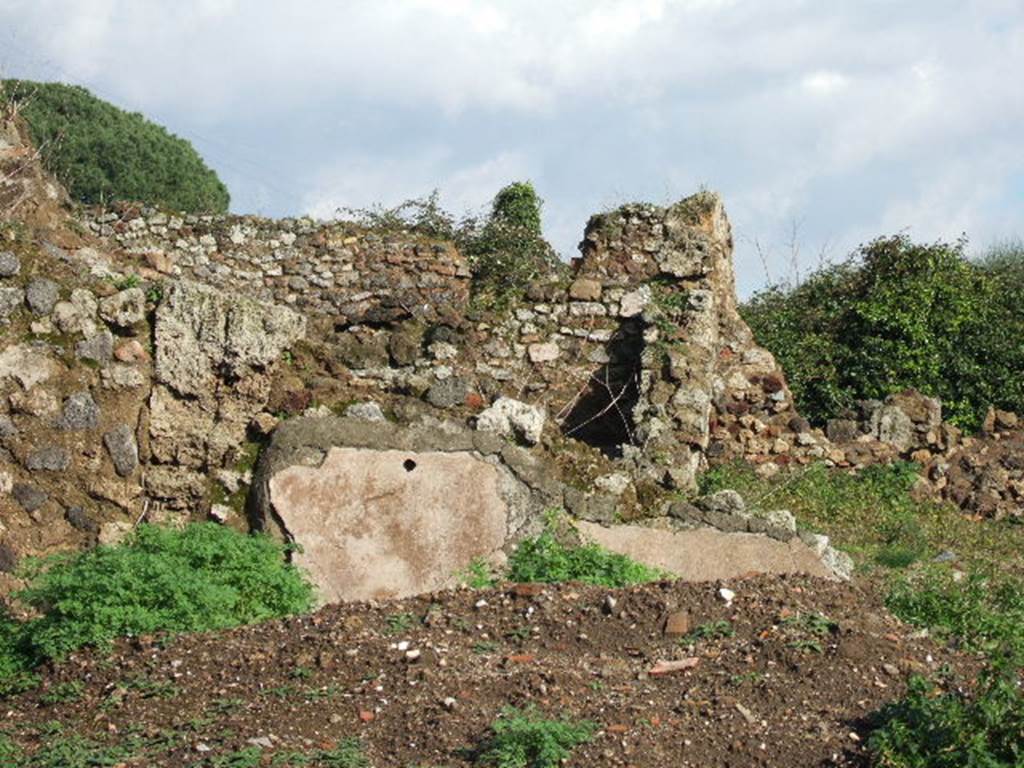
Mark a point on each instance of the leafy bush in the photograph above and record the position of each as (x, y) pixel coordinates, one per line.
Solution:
(545, 558)
(899, 315)
(103, 154)
(202, 577)
(936, 724)
(935, 728)
(507, 251)
(525, 739)
(518, 206)
(982, 612)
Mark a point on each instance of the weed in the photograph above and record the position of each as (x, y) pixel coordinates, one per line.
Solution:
(250, 757)
(712, 630)
(519, 634)
(545, 558)
(478, 575)
(807, 645)
(63, 692)
(526, 739)
(201, 577)
(983, 612)
(399, 623)
(810, 623)
(936, 727)
(485, 646)
(75, 751)
(747, 677)
(148, 688)
(299, 672)
(125, 282)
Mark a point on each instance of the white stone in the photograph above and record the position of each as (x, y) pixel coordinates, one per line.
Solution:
(509, 417)
(634, 302)
(543, 353)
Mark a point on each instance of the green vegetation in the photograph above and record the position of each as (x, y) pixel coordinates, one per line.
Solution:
(711, 630)
(526, 739)
(103, 154)
(201, 577)
(873, 515)
(547, 558)
(982, 612)
(506, 248)
(348, 754)
(899, 315)
(937, 726)
(478, 575)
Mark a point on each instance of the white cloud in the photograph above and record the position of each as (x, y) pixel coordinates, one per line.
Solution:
(852, 117)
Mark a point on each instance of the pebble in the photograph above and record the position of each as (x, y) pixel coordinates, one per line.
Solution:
(727, 595)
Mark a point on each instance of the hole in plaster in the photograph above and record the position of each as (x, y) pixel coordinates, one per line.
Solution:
(409, 465)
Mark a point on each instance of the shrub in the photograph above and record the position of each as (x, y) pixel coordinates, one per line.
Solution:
(507, 251)
(103, 154)
(518, 206)
(546, 559)
(936, 728)
(899, 315)
(198, 578)
(525, 739)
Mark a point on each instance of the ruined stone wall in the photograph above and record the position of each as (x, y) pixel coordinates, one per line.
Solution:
(335, 269)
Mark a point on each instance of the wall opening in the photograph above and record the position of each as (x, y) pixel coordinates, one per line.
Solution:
(601, 415)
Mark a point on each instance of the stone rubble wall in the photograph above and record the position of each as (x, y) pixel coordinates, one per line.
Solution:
(334, 269)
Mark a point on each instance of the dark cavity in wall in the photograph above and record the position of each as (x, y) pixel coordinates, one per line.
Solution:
(602, 415)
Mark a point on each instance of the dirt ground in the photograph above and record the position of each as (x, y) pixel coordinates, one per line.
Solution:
(419, 681)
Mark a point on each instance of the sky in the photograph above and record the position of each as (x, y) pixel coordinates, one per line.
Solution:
(822, 124)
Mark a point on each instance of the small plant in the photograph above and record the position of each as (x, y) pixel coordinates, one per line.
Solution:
(399, 623)
(807, 645)
(250, 757)
(810, 623)
(519, 634)
(545, 558)
(148, 688)
(63, 692)
(526, 739)
(712, 630)
(484, 647)
(300, 672)
(125, 282)
(478, 575)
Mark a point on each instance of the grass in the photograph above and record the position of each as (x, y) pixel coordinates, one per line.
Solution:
(199, 578)
(546, 558)
(874, 516)
(524, 738)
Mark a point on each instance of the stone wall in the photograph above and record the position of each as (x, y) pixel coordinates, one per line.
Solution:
(334, 269)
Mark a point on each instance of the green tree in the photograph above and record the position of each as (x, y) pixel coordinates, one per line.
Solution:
(103, 154)
(900, 314)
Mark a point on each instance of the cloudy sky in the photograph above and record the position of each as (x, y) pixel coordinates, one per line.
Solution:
(823, 124)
